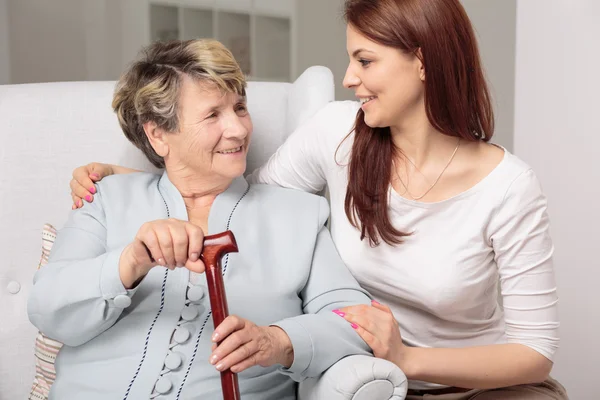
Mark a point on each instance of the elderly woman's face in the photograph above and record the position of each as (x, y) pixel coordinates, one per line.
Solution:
(214, 131)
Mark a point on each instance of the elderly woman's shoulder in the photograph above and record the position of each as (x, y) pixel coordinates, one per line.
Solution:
(128, 182)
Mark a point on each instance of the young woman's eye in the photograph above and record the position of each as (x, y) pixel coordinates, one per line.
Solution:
(241, 108)
(364, 63)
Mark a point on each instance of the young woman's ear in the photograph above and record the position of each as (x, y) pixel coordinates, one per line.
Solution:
(421, 66)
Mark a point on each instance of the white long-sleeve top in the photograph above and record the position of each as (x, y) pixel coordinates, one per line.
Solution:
(442, 282)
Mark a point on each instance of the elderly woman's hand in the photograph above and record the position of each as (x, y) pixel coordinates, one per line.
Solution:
(242, 344)
(84, 178)
(169, 242)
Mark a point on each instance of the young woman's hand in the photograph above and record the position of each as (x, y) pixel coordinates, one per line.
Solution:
(83, 182)
(379, 329)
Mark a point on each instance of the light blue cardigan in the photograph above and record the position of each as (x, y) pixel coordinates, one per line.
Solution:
(153, 340)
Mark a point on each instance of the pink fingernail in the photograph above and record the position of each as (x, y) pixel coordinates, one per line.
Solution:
(340, 313)
(354, 326)
(88, 198)
(80, 203)
(375, 301)
(95, 176)
(93, 190)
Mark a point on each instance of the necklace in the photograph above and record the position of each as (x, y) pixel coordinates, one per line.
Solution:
(437, 179)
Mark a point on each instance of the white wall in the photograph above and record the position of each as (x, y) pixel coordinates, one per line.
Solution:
(115, 32)
(97, 61)
(322, 40)
(495, 27)
(47, 40)
(557, 133)
(135, 23)
(4, 45)
(68, 40)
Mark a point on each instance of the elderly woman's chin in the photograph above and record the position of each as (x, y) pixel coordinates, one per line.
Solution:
(231, 164)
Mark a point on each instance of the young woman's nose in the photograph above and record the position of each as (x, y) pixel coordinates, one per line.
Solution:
(350, 79)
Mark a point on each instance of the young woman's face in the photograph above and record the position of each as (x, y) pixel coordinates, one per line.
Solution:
(388, 81)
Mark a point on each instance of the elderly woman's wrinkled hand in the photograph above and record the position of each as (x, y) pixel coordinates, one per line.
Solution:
(240, 344)
(168, 242)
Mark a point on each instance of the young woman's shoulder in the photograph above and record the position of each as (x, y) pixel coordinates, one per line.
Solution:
(509, 164)
(491, 160)
(336, 119)
(345, 108)
(511, 176)
(331, 129)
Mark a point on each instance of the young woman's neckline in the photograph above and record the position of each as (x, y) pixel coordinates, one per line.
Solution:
(395, 196)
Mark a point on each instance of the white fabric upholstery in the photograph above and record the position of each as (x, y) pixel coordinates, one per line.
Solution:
(47, 130)
(357, 378)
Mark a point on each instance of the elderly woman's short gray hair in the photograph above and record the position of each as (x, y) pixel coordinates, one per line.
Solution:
(149, 89)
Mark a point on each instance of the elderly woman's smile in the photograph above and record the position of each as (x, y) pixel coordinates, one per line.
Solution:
(231, 151)
(213, 133)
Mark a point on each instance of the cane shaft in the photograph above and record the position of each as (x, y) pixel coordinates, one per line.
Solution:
(220, 311)
(214, 248)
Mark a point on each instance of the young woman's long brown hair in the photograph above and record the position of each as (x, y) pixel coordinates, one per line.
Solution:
(457, 99)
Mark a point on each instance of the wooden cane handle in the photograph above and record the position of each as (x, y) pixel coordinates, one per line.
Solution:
(215, 247)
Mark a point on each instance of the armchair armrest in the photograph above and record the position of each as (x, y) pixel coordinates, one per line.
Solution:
(357, 377)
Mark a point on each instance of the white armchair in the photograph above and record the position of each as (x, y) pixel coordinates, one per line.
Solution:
(47, 129)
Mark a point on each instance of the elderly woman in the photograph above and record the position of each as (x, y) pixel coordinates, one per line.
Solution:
(135, 328)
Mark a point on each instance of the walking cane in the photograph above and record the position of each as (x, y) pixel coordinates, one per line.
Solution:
(215, 247)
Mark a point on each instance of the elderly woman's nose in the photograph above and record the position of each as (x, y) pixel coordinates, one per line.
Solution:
(235, 128)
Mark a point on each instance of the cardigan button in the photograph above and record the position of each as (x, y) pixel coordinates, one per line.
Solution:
(173, 361)
(163, 385)
(189, 313)
(181, 335)
(122, 301)
(195, 293)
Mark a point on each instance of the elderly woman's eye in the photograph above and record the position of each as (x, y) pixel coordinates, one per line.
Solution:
(241, 108)
(213, 115)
